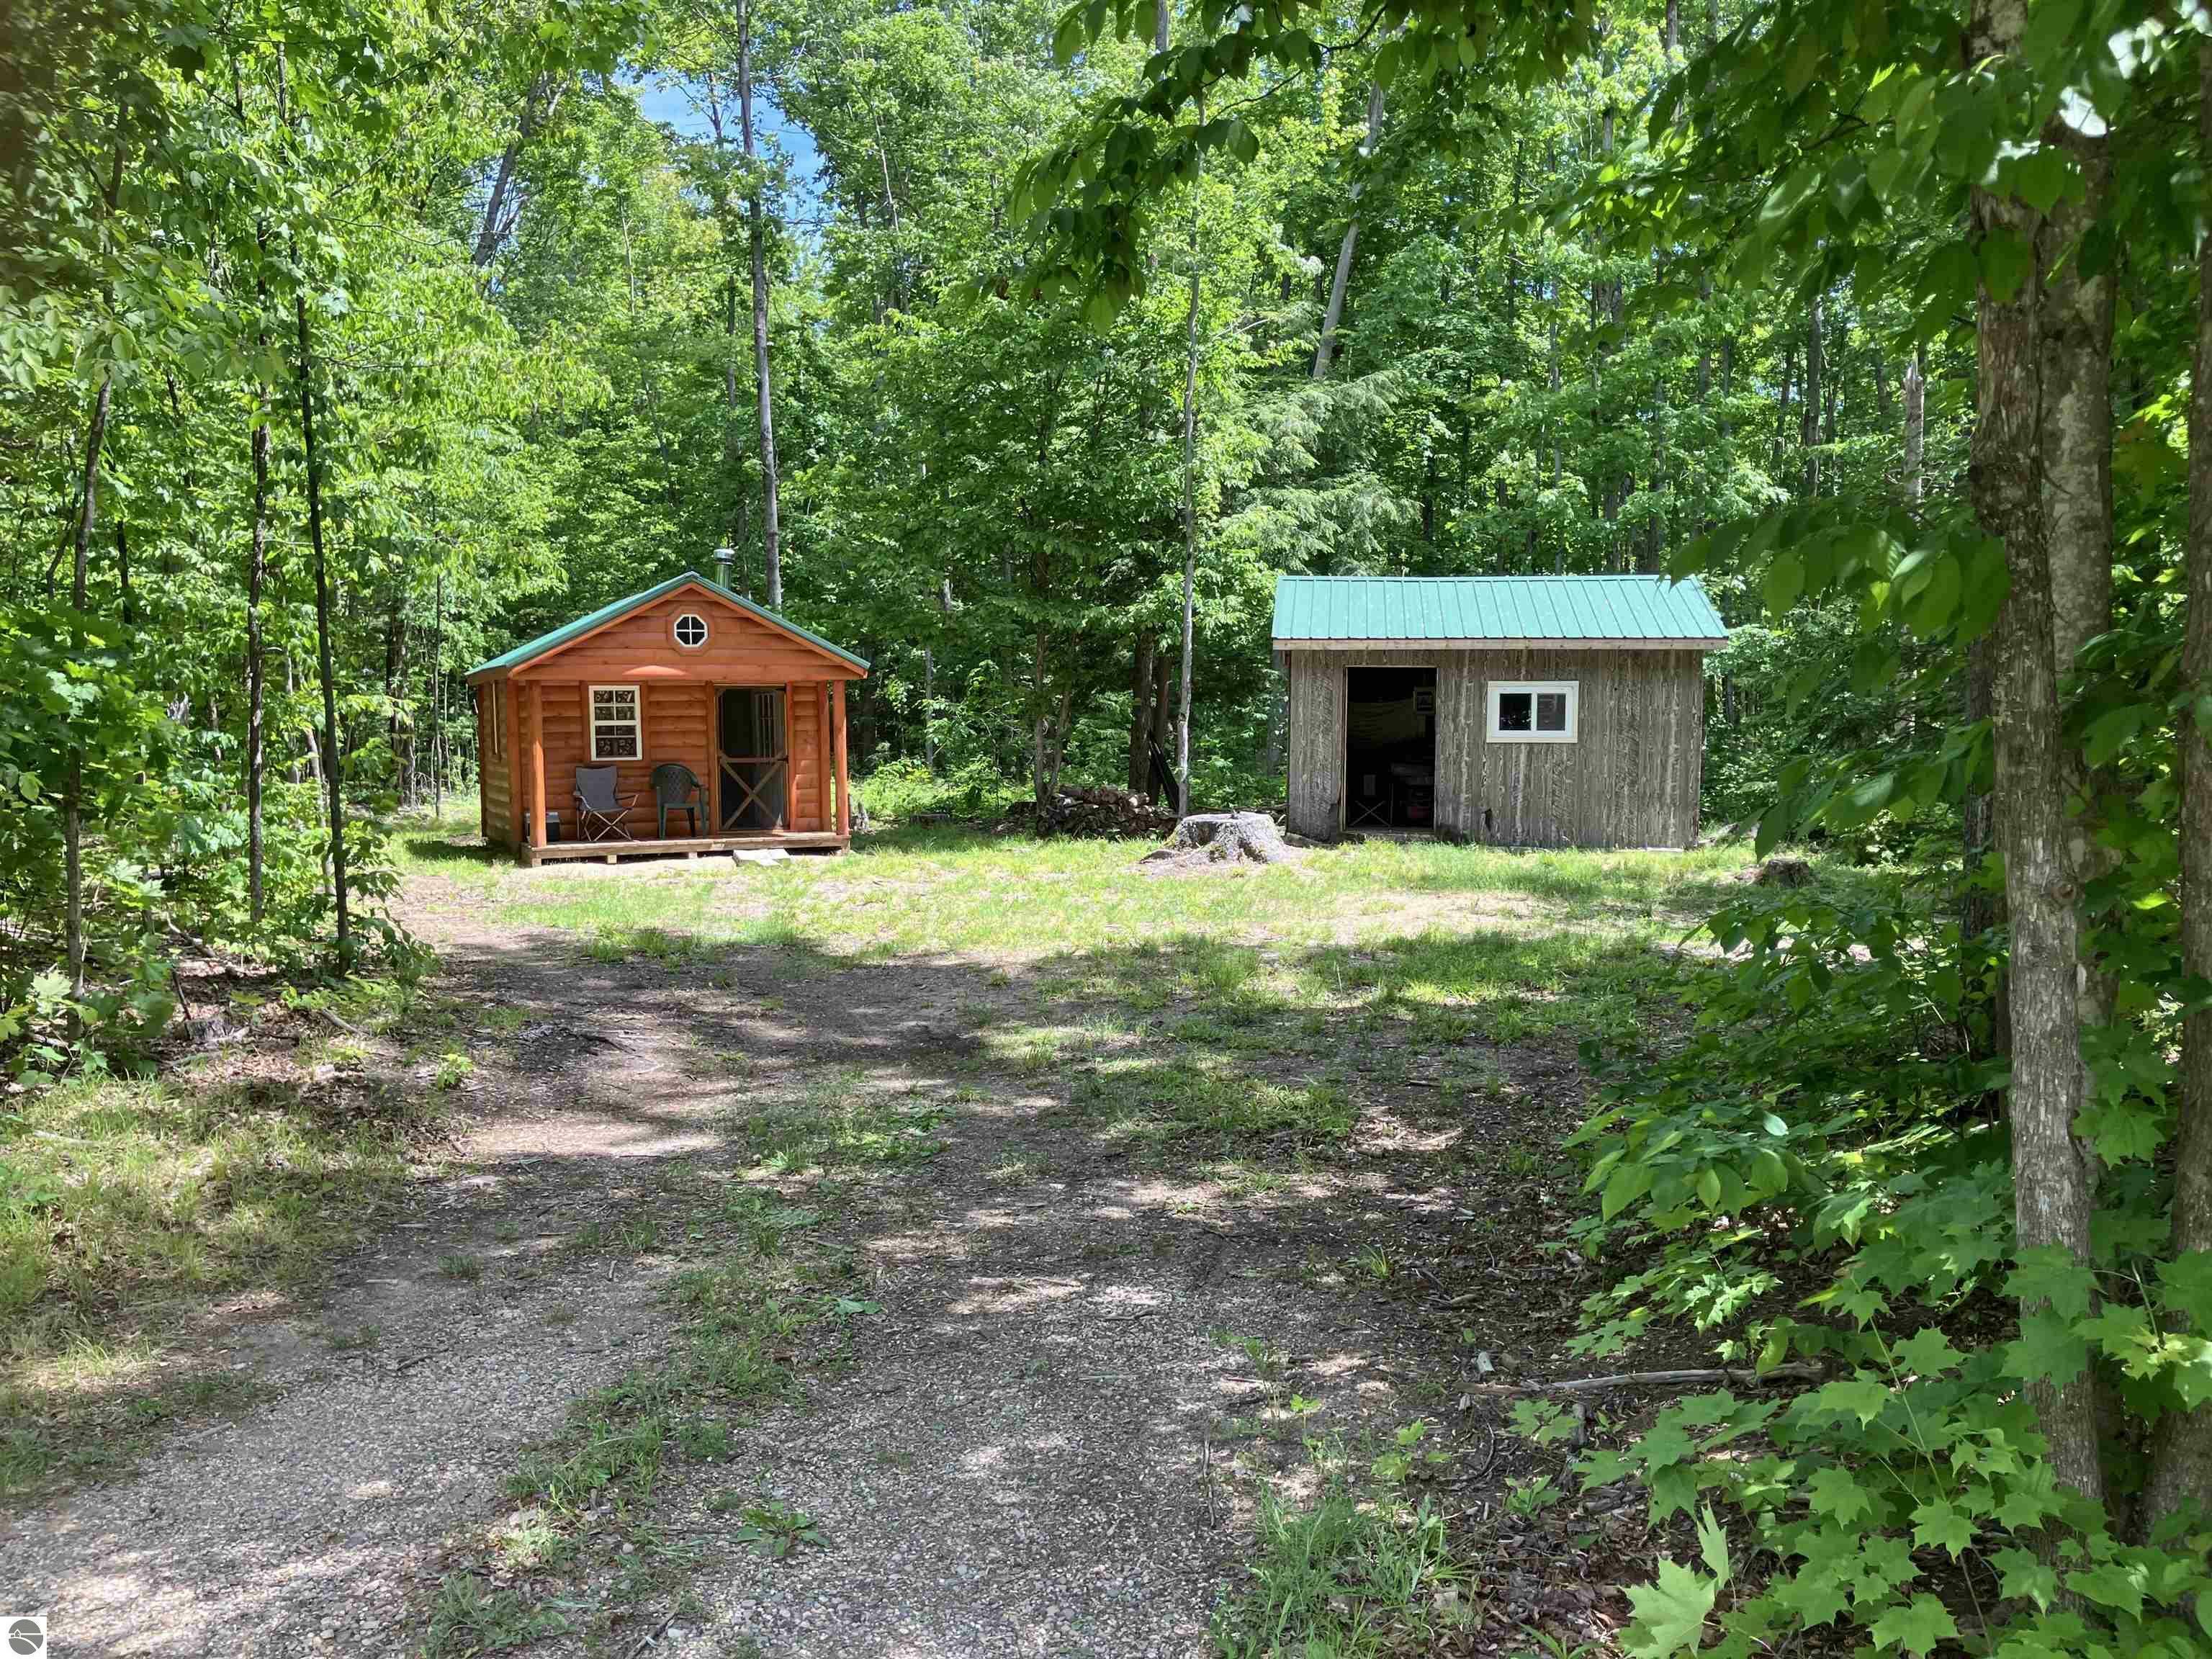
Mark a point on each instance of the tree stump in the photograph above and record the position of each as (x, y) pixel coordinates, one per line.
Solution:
(1783, 872)
(1225, 838)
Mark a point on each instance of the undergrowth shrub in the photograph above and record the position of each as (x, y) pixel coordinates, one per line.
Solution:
(1820, 1174)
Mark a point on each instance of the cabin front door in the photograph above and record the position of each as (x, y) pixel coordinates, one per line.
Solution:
(752, 757)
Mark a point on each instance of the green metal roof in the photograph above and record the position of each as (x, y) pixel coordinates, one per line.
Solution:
(607, 613)
(1317, 611)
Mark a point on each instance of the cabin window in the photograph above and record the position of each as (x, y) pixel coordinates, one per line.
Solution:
(614, 733)
(495, 719)
(691, 630)
(1534, 711)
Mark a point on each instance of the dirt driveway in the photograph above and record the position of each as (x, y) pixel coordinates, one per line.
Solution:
(1053, 1315)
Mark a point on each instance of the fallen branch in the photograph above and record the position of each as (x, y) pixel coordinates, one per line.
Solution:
(1650, 1380)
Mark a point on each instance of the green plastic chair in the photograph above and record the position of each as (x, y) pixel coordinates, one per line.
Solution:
(677, 788)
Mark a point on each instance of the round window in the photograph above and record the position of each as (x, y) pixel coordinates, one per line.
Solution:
(691, 630)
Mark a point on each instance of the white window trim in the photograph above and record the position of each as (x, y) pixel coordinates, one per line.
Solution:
(1498, 687)
(495, 719)
(707, 630)
(592, 723)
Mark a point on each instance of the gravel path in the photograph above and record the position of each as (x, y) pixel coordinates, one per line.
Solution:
(1033, 1448)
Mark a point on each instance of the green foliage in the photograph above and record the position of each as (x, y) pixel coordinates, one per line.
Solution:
(1826, 1131)
(773, 1529)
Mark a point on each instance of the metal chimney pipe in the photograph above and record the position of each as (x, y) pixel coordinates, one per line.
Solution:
(725, 556)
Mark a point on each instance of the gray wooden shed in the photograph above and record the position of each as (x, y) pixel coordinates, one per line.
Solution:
(1547, 711)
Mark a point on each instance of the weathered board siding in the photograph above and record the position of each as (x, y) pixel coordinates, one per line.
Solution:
(497, 771)
(1316, 747)
(1632, 780)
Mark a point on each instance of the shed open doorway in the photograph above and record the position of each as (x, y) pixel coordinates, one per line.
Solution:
(1390, 748)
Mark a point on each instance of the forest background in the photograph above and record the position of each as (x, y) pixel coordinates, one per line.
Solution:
(341, 346)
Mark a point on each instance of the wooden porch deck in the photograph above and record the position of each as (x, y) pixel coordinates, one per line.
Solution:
(798, 841)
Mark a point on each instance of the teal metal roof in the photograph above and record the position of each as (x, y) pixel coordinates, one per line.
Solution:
(1319, 611)
(607, 613)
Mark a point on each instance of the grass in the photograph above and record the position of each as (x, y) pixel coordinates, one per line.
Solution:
(125, 1203)
(470, 1617)
(586, 1490)
(933, 889)
(1349, 1572)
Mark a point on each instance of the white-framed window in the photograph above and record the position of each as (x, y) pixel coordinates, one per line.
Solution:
(495, 719)
(691, 630)
(617, 733)
(1534, 711)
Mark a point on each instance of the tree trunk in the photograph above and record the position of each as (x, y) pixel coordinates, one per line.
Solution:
(257, 568)
(2181, 1446)
(499, 217)
(1190, 475)
(1916, 424)
(1164, 703)
(1326, 352)
(73, 766)
(1140, 711)
(755, 236)
(2076, 325)
(436, 697)
(2051, 1199)
(333, 763)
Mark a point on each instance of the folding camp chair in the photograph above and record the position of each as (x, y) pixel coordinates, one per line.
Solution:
(677, 788)
(599, 810)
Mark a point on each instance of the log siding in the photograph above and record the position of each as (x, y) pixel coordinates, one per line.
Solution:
(543, 704)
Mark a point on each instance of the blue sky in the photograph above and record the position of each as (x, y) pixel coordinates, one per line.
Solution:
(666, 98)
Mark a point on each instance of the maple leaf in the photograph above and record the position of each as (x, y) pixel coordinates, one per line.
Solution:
(2025, 1575)
(1838, 1495)
(1670, 1612)
(2187, 1281)
(1940, 1521)
(2051, 1274)
(1927, 1353)
(2047, 1348)
(1916, 1628)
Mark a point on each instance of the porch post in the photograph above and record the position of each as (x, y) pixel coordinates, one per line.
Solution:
(790, 758)
(537, 765)
(837, 725)
(713, 760)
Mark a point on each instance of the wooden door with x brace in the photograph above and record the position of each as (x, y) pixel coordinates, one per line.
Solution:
(752, 758)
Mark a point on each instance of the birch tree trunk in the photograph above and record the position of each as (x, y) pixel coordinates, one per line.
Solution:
(2181, 1446)
(333, 759)
(2052, 1199)
(755, 236)
(1808, 413)
(1916, 424)
(1325, 353)
(1190, 478)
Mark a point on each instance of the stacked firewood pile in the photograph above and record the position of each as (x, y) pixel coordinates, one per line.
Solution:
(1090, 812)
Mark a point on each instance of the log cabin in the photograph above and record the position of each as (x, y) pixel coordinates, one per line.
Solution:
(1533, 711)
(686, 671)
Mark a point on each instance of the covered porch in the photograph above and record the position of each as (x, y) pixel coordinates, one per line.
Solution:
(682, 720)
(770, 763)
